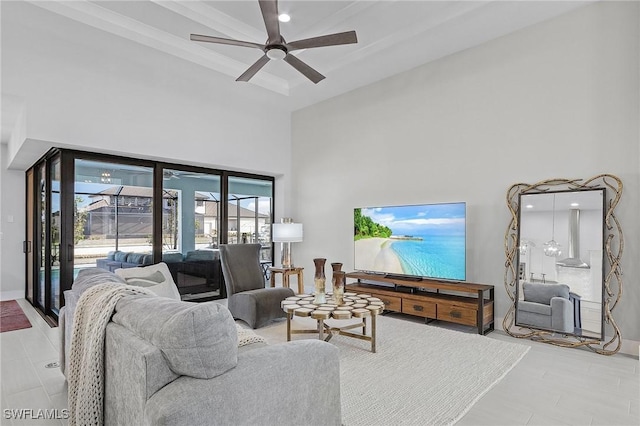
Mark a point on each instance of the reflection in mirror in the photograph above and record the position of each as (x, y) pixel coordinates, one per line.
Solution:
(563, 248)
(560, 262)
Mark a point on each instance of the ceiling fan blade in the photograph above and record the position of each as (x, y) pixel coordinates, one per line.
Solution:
(269, 10)
(305, 69)
(253, 69)
(220, 40)
(348, 37)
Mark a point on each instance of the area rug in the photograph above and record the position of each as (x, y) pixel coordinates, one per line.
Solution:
(420, 375)
(12, 317)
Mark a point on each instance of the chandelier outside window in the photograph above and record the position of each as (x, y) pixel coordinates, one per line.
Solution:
(552, 248)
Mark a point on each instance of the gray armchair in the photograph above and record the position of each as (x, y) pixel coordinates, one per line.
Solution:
(546, 306)
(248, 299)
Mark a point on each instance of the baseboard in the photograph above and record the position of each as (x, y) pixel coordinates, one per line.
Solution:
(11, 295)
(628, 347)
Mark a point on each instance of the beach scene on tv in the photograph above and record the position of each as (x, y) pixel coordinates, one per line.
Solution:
(418, 240)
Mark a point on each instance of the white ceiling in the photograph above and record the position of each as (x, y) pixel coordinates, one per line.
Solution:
(393, 36)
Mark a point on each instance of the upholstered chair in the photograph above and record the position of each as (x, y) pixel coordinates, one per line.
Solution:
(546, 306)
(247, 297)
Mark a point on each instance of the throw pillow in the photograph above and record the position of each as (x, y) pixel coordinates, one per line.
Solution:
(141, 282)
(88, 277)
(197, 339)
(147, 276)
(156, 277)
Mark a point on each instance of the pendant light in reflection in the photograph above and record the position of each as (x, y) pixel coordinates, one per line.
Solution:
(552, 248)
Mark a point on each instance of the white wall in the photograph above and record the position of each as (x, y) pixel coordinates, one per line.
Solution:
(85, 89)
(559, 99)
(12, 227)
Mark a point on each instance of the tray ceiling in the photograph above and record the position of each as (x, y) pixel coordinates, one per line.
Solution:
(393, 36)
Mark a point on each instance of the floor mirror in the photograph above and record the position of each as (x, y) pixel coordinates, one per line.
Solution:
(563, 248)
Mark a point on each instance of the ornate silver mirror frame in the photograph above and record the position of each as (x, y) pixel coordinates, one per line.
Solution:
(613, 248)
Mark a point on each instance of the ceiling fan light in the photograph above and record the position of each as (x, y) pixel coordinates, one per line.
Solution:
(276, 53)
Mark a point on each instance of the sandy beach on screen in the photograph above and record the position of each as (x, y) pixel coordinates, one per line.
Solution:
(375, 254)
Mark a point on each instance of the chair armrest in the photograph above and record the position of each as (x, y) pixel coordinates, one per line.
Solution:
(292, 383)
(562, 314)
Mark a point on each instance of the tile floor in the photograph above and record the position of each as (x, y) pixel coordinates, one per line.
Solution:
(25, 382)
(550, 386)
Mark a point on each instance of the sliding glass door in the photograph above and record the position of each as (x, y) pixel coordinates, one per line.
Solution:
(93, 210)
(190, 231)
(113, 214)
(250, 213)
(53, 301)
(43, 238)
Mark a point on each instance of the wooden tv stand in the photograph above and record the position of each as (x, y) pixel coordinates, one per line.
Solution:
(462, 303)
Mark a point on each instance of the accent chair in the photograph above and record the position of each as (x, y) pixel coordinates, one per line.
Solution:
(546, 306)
(248, 299)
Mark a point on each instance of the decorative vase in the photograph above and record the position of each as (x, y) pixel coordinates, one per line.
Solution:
(337, 266)
(319, 281)
(338, 287)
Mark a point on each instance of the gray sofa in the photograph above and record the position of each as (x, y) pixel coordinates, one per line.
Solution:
(169, 362)
(297, 383)
(123, 259)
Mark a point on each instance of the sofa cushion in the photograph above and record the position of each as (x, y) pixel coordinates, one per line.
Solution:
(147, 259)
(542, 293)
(197, 339)
(534, 308)
(120, 256)
(136, 258)
(111, 255)
(172, 257)
(156, 278)
(201, 255)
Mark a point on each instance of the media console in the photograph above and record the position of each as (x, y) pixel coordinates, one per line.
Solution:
(460, 303)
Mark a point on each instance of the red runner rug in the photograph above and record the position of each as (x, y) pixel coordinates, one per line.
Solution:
(12, 317)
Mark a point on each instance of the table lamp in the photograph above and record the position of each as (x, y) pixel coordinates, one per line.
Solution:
(287, 232)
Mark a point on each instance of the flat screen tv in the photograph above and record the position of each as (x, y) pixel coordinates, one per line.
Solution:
(426, 240)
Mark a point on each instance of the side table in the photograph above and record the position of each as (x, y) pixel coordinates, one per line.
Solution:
(286, 273)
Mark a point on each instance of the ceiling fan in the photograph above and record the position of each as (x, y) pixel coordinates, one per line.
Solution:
(277, 48)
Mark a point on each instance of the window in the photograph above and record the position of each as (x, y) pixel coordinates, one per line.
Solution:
(250, 214)
(85, 209)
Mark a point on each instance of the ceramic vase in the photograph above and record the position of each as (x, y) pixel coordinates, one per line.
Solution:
(319, 281)
(338, 287)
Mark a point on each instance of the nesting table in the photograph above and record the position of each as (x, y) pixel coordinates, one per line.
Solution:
(360, 306)
(286, 273)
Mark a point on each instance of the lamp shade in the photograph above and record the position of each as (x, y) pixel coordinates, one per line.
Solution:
(287, 232)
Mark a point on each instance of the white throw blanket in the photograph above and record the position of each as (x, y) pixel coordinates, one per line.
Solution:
(86, 358)
(247, 337)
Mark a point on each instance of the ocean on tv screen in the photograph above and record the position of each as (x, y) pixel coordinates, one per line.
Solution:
(420, 240)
